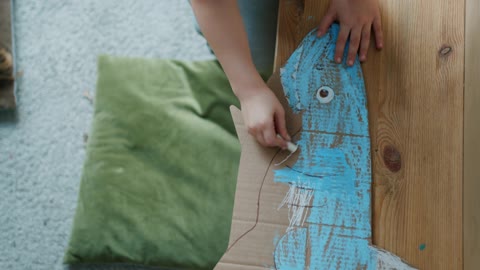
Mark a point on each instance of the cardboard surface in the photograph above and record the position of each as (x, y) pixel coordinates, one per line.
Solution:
(314, 211)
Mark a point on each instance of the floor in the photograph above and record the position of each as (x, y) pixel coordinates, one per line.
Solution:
(42, 152)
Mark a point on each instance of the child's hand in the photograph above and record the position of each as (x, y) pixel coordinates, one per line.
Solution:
(264, 117)
(356, 19)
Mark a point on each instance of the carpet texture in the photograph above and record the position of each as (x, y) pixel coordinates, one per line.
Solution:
(42, 153)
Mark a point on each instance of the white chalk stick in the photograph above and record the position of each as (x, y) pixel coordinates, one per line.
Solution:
(290, 146)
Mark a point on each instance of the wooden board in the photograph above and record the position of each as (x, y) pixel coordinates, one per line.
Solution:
(472, 135)
(7, 84)
(415, 99)
(293, 24)
(325, 185)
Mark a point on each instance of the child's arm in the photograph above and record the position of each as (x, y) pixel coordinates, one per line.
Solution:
(222, 26)
(356, 17)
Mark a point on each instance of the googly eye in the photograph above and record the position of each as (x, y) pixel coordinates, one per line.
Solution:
(325, 94)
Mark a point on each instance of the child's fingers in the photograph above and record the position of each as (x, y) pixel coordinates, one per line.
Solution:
(270, 137)
(377, 28)
(260, 139)
(341, 40)
(365, 41)
(355, 36)
(327, 20)
(280, 125)
(257, 133)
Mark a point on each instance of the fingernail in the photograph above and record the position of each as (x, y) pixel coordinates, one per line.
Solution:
(319, 33)
(363, 57)
(350, 62)
(339, 60)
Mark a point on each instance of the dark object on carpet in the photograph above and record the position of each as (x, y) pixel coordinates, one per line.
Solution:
(7, 82)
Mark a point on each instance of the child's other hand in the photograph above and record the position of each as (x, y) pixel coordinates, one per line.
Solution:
(356, 20)
(264, 117)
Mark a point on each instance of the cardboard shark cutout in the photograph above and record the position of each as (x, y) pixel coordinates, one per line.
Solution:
(314, 211)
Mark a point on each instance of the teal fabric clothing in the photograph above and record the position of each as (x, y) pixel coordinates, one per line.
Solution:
(260, 20)
(159, 178)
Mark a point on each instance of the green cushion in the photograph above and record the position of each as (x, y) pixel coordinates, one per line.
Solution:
(159, 179)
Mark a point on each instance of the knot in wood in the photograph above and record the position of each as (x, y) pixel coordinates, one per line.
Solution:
(445, 50)
(392, 158)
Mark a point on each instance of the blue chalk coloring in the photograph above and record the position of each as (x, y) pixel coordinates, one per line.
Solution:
(334, 162)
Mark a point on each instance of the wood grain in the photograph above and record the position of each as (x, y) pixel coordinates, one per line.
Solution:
(296, 19)
(415, 95)
(471, 135)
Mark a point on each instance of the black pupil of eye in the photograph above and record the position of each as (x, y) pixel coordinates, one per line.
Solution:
(323, 93)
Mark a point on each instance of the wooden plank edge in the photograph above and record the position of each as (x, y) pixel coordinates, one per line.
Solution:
(471, 169)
